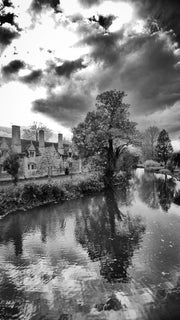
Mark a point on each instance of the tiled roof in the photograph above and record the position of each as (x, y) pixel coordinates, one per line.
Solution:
(25, 144)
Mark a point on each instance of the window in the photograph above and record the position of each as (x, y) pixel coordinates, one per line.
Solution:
(32, 166)
(3, 171)
(31, 154)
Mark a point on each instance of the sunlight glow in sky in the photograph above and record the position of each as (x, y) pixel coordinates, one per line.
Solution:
(64, 57)
(47, 40)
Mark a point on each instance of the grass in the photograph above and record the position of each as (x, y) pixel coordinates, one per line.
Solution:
(31, 194)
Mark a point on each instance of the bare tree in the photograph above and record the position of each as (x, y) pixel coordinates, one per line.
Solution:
(149, 142)
(32, 133)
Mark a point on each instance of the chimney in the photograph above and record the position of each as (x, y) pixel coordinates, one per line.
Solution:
(16, 139)
(41, 139)
(60, 143)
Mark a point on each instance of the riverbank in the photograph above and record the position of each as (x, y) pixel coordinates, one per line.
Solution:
(174, 174)
(31, 195)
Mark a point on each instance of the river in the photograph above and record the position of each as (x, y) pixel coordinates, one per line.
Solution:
(108, 256)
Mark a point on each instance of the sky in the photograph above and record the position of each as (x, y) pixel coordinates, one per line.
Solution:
(57, 56)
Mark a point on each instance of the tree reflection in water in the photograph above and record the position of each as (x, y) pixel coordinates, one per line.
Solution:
(157, 192)
(166, 191)
(109, 236)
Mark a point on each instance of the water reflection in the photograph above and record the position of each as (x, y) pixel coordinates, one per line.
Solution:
(13, 233)
(109, 236)
(157, 192)
(110, 256)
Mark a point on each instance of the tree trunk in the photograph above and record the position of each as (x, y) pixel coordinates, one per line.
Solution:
(109, 171)
(37, 135)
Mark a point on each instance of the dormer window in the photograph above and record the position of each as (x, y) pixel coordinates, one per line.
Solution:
(31, 154)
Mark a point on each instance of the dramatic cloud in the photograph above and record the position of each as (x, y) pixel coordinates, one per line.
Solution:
(67, 107)
(7, 21)
(68, 67)
(13, 67)
(33, 77)
(74, 51)
(167, 12)
(88, 3)
(7, 18)
(38, 5)
(7, 35)
(168, 119)
(151, 73)
(7, 3)
(104, 47)
(103, 21)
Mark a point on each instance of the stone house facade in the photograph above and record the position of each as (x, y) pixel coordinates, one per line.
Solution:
(38, 158)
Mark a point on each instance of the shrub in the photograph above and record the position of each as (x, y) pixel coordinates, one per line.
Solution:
(92, 184)
(57, 192)
(151, 164)
(31, 192)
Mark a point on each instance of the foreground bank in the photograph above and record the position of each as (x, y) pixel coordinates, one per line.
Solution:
(33, 195)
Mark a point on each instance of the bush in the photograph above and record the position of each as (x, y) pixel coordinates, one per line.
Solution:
(93, 184)
(32, 195)
(151, 164)
(57, 192)
(31, 192)
(128, 161)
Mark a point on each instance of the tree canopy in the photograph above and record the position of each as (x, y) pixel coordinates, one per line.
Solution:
(106, 131)
(164, 147)
(32, 133)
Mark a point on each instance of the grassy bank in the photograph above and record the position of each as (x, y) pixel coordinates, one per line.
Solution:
(31, 195)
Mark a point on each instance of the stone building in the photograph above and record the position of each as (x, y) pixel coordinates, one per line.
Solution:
(38, 158)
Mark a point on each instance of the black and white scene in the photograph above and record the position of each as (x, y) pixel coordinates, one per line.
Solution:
(89, 159)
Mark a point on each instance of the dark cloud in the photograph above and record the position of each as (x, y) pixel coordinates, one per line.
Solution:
(7, 18)
(104, 21)
(151, 73)
(33, 77)
(104, 46)
(68, 67)
(89, 3)
(38, 5)
(146, 66)
(7, 35)
(13, 67)
(7, 3)
(167, 13)
(69, 108)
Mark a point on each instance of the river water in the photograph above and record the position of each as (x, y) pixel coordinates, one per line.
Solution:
(109, 256)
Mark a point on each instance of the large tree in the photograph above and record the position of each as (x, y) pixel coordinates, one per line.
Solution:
(32, 133)
(164, 147)
(149, 142)
(106, 132)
